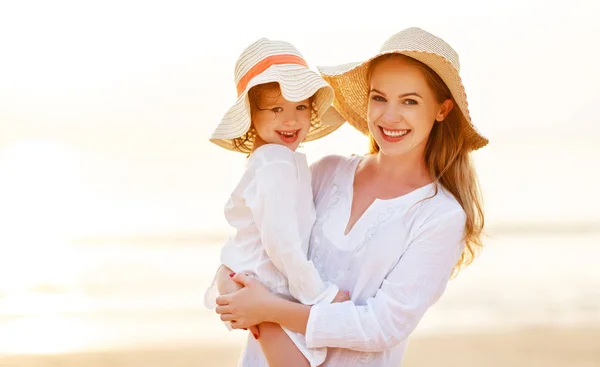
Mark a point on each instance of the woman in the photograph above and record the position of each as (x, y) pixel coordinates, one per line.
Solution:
(392, 226)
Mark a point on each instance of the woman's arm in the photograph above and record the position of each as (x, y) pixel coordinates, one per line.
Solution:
(226, 285)
(278, 348)
(260, 305)
(255, 304)
(416, 282)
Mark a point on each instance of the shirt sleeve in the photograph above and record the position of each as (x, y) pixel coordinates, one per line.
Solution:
(415, 283)
(272, 200)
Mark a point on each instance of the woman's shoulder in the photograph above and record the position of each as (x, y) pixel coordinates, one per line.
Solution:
(442, 204)
(325, 170)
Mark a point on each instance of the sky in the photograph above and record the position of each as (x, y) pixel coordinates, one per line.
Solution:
(106, 107)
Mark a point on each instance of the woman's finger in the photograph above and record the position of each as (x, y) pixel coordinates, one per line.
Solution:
(223, 300)
(242, 279)
(227, 317)
(223, 309)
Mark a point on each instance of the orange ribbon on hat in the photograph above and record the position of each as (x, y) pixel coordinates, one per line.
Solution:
(266, 63)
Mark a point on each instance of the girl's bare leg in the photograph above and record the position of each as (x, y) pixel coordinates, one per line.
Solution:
(278, 348)
(276, 345)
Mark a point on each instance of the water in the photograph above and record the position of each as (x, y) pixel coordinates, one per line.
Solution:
(92, 297)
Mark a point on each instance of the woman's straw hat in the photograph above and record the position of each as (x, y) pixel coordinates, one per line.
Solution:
(350, 81)
(267, 61)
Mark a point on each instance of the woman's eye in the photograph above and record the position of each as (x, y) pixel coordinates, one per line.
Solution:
(301, 107)
(378, 98)
(410, 102)
(276, 109)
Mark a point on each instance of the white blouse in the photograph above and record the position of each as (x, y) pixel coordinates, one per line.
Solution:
(273, 213)
(395, 261)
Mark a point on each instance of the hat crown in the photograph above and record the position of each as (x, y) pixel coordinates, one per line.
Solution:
(260, 50)
(416, 39)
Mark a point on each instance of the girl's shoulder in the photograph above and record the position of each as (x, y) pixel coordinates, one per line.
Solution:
(274, 153)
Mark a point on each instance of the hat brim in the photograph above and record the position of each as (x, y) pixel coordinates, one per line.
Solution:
(296, 83)
(349, 82)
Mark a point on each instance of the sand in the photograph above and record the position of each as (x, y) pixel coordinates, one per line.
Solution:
(548, 347)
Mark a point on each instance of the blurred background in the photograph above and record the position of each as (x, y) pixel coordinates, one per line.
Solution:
(111, 196)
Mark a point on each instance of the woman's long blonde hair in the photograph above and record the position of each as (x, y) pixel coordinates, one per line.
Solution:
(449, 162)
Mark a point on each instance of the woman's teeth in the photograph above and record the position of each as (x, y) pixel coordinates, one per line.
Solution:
(394, 133)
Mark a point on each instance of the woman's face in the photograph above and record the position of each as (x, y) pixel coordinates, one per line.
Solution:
(402, 107)
(279, 121)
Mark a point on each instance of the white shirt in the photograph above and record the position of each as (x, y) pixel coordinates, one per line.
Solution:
(273, 213)
(395, 261)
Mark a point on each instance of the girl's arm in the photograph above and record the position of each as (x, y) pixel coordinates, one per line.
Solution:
(273, 198)
(412, 286)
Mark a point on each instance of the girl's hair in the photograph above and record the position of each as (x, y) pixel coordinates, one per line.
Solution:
(449, 162)
(245, 143)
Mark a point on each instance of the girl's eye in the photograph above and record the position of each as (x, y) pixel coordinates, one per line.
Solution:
(410, 102)
(301, 107)
(276, 109)
(378, 98)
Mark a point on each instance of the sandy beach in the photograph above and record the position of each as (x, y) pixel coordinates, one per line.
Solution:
(572, 347)
(146, 310)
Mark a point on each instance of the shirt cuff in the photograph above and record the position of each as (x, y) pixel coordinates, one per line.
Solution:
(330, 293)
(313, 319)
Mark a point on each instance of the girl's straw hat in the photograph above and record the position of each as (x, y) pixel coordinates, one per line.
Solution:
(350, 81)
(267, 61)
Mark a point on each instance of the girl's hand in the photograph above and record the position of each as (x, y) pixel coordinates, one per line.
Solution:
(247, 307)
(342, 296)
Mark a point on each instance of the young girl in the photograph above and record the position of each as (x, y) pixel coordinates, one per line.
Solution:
(280, 104)
(391, 225)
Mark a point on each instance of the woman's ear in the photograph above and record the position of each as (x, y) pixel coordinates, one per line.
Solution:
(444, 110)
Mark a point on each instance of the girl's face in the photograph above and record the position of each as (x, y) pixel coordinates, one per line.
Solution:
(278, 121)
(402, 107)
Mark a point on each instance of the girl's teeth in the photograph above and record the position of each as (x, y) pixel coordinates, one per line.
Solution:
(394, 133)
(288, 134)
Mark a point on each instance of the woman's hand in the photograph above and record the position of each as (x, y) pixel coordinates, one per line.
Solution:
(247, 307)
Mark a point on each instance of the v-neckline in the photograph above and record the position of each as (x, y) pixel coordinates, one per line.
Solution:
(347, 232)
(350, 187)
